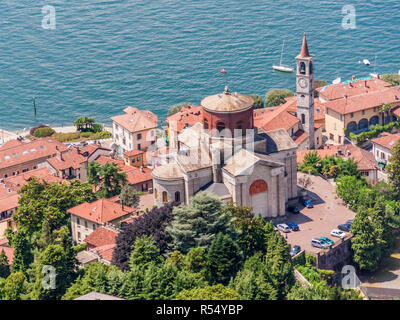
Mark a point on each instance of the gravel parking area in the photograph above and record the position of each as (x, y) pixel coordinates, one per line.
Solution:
(328, 212)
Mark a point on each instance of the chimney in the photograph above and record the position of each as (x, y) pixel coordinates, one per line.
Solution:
(350, 85)
(353, 77)
(366, 83)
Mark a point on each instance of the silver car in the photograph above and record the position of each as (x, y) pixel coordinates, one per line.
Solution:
(283, 227)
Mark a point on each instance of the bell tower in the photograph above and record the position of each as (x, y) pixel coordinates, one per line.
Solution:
(305, 91)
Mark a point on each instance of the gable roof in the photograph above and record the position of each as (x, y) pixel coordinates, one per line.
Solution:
(101, 236)
(69, 159)
(136, 120)
(186, 117)
(387, 140)
(101, 211)
(11, 144)
(17, 182)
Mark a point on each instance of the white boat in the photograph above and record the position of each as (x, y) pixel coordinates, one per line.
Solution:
(337, 81)
(282, 67)
(366, 62)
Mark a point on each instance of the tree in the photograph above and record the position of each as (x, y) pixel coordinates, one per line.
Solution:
(348, 189)
(109, 177)
(152, 223)
(145, 252)
(196, 261)
(393, 168)
(23, 256)
(197, 225)
(176, 108)
(393, 79)
(84, 123)
(258, 101)
(43, 132)
(321, 292)
(129, 196)
(177, 259)
(216, 292)
(318, 84)
(251, 234)
(223, 259)
(4, 266)
(384, 110)
(15, 286)
(275, 97)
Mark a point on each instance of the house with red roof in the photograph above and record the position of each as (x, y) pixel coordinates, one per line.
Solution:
(134, 130)
(87, 217)
(382, 147)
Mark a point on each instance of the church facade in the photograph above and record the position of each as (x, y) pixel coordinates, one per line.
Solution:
(224, 154)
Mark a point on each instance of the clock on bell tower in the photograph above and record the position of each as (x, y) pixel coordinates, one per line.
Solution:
(305, 91)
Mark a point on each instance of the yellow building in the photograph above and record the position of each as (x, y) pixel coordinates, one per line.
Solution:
(355, 106)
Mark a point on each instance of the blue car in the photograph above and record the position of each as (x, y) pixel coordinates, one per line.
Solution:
(308, 203)
(293, 226)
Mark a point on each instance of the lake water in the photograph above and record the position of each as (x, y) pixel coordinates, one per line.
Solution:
(105, 55)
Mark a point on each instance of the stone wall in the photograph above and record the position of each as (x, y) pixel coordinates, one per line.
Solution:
(336, 257)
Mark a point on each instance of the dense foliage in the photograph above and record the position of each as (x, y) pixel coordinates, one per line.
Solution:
(392, 78)
(176, 108)
(275, 97)
(43, 132)
(107, 179)
(373, 132)
(258, 101)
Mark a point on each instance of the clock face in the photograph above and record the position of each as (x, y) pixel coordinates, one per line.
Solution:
(303, 83)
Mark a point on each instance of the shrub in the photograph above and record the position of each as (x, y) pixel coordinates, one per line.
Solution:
(43, 132)
(85, 134)
(258, 101)
(275, 97)
(97, 127)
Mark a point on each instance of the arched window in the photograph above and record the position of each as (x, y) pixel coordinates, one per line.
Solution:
(239, 126)
(164, 196)
(374, 121)
(177, 196)
(302, 68)
(220, 126)
(352, 126)
(206, 124)
(363, 124)
(311, 68)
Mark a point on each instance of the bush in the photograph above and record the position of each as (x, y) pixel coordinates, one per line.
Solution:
(393, 79)
(275, 97)
(101, 135)
(258, 101)
(65, 137)
(178, 107)
(43, 132)
(97, 127)
(85, 134)
(374, 132)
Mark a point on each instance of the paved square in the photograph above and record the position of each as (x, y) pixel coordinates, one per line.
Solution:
(329, 211)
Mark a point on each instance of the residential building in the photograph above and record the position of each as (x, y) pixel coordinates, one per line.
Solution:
(87, 217)
(134, 130)
(17, 157)
(382, 147)
(366, 163)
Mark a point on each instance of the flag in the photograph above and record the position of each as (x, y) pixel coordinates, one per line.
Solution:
(224, 71)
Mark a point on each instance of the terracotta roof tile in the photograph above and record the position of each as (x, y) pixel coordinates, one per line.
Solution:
(8, 251)
(17, 182)
(101, 211)
(69, 159)
(187, 117)
(100, 237)
(106, 251)
(11, 144)
(387, 140)
(136, 120)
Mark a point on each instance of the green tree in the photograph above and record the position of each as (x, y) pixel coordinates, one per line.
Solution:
(23, 256)
(321, 292)
(145, 253)
(84, 123)
(196, 261)
(251, 234)
(348, 189)
(393, 168)
(43, 132)
(15, 286)
(275, 97)
(176, 108)
(129, 196)
(385, 110)
(109, 177)
(216, 292)
(4, 265)
(393, 79)
(177, 259)
(258, 101)
(197, 225)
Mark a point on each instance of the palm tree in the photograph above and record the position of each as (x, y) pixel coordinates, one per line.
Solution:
(385, 109)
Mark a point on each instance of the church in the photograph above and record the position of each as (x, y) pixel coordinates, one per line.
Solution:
(226, 155)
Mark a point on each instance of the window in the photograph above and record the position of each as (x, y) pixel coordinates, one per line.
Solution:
(302, 68)
(138, 146)
(138, 159)
(303, 119)
(116, 127)
(311, 67)
(164, 196)
(94, 227)
(220, 126)
(363, 112)
(365, 173)
(206, 124)
(341, 118)
(139, 136)
(152, 133)
(6, 175)
(124, 141)
(383, 155)
(374, 109)
(86, 224)
(352, 115)
(25, 170)
(177, 196)
(317, 141)
(79, 236)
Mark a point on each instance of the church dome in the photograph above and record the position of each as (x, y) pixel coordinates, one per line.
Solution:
(227, 102)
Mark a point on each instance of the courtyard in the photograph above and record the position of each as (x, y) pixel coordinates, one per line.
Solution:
(329, 211)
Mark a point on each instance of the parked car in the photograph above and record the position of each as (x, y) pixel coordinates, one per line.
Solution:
(316, 242)
(308, 203)
(293, 226)
(283, 227)
(295, 250)
(350, 222)
(338, 233)
(344, 227)
(327, 240)
(294, 209)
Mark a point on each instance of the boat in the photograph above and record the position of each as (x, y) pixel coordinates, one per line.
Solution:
(337, 80)
(281, 67)
(366, 62)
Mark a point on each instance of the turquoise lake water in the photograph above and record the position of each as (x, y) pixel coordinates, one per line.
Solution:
(105, 55)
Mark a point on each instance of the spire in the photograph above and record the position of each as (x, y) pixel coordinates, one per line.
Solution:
(304, 48)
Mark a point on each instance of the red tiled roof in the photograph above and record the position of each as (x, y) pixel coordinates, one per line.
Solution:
(136, 120)
(355, 88)
(274, 118)
(300, 136)
(365, 160)
(134, 175)
(17, 182)
(100, 237)
(185, 117)
(89, 149)
(387, 140)
(106, 251)
(319, 107)
(101, 211)
(8, 251)
(365, 101)
(9, 202)
(11, 144)
(69, 159)
(132, 153)
(35, 150)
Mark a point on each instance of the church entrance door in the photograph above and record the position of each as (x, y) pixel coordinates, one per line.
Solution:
(258, 197)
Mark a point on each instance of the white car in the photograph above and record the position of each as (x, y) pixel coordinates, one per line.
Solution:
(338, 233)
(283, 227)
